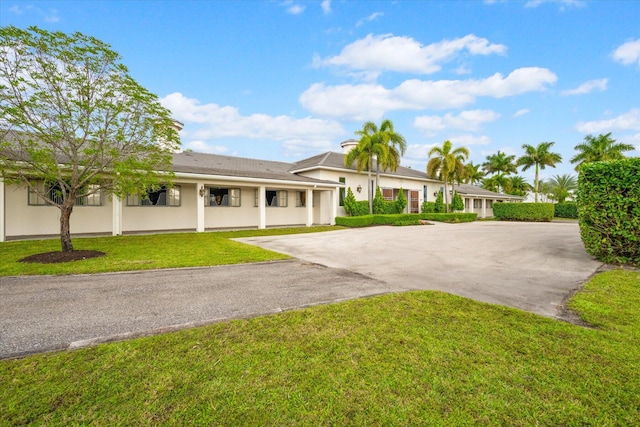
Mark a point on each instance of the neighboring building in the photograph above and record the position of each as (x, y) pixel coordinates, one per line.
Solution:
(213, 192)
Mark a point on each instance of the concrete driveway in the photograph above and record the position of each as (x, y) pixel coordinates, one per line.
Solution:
(529, 266)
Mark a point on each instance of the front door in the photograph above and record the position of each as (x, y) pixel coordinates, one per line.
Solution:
(414, 201)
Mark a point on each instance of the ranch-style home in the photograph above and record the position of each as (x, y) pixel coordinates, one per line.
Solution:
(214, 192)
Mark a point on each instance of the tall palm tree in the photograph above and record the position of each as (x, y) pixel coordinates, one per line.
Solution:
(383, 144)
(446, 162)
(562, 186)
(599, 148)
(474, 174)
(500, 165)
(540, 157)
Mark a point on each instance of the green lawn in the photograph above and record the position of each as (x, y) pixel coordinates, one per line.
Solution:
(145, 252)
(418, 358)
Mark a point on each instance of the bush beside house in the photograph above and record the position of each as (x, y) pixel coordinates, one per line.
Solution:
(609, 210)
(536, 212)
(566, 210)
(391, 219)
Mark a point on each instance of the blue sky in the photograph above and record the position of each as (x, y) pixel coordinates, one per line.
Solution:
(284, 80)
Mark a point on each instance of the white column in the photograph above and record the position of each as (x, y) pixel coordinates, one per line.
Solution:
(309, 206)
(262, 206)
(333, 201)
(116, 227)
(2, 212)
(484, 208)
(200, 207)
(471, 202)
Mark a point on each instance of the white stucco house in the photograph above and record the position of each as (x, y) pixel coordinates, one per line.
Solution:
(213, 192)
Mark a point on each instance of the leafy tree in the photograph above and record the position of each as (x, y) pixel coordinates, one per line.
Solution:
(72, 116)
(599, 148)
(439, 207)
(378, 203)
(474, 174)
(496, 182)
(517, 186)
(383, 143)
(540, 157)
(446, 162)
(350, 202)
(457, 204)
(562, 186)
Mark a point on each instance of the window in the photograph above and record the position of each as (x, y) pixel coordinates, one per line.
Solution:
(277, 198)
(301, 199)
(91, 194)
(163, 196)
(477, 203)
(424, 193)
(223, 197)
(387, 194)
(343, 180)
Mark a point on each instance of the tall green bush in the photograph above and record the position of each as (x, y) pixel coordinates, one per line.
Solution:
(439, 206)
(536, 212)
(401, 201)
(349, 202)
(378, 202)
(457, 204)
(428, 207)
(609, 210)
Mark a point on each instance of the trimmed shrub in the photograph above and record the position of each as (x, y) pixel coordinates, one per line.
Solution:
(457, 204)
(566, 210)
(361, 208)
(401, 201)
(428, 207)
(407, 222)
(609, 210)
(379, 206)
(450, 217)
(535, 212)
(349, 203)
(439, 205)
(354, 221)
(365, 220)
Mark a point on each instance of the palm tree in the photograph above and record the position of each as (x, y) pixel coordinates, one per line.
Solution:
(544, 189)
(495, 182)
(446, 162)
(562, 186)
(384, 144)
(517, 186)
(599, 148)
(540, 157)
(500, 164)
(474, 174)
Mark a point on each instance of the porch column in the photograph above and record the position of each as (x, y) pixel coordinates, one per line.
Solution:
(200, 207)
(309, 205)
(471, 204)
(262, 206)
(116, 227)
(2, 213)
(333, 201)
(484, 208)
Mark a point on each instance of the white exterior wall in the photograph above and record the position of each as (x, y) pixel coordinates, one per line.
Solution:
(21, 219)
(152, 218)
(245, 215)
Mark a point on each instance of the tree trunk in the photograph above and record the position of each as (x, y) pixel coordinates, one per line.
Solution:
(65, 229)
(370, 191)
(536, 183)
(446, 195)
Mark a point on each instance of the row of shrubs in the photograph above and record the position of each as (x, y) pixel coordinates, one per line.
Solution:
(536, 212)
(402, 219)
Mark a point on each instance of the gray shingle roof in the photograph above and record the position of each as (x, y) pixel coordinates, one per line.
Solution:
(473, 190)
(215, 164)
(334, 160)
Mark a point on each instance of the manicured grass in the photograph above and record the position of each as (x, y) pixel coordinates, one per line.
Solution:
(145, 252)
(419, 358)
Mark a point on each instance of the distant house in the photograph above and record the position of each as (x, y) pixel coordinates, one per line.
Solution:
(213, 192)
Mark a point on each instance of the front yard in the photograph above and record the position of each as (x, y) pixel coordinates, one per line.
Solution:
(419, 358)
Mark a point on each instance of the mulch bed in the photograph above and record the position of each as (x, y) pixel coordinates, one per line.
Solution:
(56, 257)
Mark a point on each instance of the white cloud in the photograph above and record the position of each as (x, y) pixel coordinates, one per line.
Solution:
(521, 112)
(467, 120)
(404, 54)
(295, 9)
(634, 140)
(205, 147)
(626, 121)
(206, 122)
(369, 18)
(466, 140)
(326, 6)
(588, 87)
(371, 101)
(563, 3)
(628, 53)
(48, 16)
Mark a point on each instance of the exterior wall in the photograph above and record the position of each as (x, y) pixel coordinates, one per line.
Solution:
(151, 218)
(245, 215)
(21, 219)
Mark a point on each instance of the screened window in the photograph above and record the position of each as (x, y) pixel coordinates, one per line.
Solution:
(223, 197)
(277, 198)
(343, 180)
(91, 195)
(163, 196)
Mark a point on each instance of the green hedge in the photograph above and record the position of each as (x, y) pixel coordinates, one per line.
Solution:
(536, 212)
(609, 210)
(566, 210)
(365, 220)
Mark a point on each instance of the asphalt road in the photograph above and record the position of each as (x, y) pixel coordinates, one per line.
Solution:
(529, 266)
